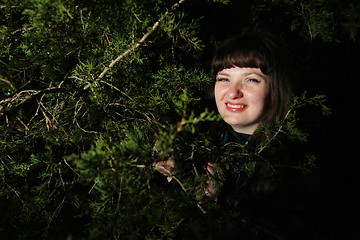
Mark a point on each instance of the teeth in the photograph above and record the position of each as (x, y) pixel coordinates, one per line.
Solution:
(235, 106)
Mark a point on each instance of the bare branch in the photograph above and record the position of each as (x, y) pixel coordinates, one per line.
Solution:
(112, 86)
(20, 98)
(138, 44)
(8, 82)
(71, 167)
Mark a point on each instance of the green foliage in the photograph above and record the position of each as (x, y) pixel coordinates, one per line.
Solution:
(78, 151)
(328, 21)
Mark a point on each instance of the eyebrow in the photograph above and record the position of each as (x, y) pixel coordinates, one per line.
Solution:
(244, 74)
(224, 74)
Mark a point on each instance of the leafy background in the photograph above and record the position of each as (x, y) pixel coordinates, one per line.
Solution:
(77, 150)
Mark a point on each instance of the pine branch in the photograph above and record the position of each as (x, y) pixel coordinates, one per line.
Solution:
(297, 103)
(274, 135)
(139, 43)
(21, 97)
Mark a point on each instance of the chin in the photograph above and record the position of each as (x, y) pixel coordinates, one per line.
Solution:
(232, 121)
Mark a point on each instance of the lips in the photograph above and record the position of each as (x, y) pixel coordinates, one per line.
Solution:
(235, 107)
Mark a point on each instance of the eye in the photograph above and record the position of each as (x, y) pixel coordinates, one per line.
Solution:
(222, 80)
(253, 80)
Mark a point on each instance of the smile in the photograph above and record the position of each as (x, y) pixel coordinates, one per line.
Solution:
(235, 107)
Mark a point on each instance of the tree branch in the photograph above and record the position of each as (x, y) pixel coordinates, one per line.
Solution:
(275, 135)
(20, 98)
(136, 45)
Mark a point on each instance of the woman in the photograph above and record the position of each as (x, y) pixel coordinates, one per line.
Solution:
(251, 89)
(253, 199)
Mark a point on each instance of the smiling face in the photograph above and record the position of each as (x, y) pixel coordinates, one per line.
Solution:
(240, 95)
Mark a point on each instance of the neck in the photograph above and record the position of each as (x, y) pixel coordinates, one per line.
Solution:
(245, 130)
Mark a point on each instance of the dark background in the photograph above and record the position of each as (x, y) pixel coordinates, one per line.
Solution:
(319, 67)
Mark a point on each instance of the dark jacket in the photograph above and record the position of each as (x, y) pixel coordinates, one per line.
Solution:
(246, 210)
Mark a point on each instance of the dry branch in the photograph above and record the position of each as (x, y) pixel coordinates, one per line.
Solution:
(21, 97)
(138, 44)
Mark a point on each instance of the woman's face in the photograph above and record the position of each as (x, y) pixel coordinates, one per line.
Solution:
(240, 95)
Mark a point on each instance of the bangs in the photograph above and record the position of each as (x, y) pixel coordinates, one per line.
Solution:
(233, 54)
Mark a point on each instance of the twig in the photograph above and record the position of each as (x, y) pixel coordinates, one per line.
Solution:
(82, 129)
(201, 208)
(171, 176)
(15, 192)
(4, 6)
(47, 119)
(138, 44)
(178, 181)
(70, 167)
(275, 135)
(96, 181)
(26, 128)
(119, 196)
(57, 210)
(61, 179)
(76, 111)
(112, 86)
(6, 105)
(172, 229)
(8, 82)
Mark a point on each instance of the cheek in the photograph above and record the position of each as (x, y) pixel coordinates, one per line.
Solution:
(217, 93)
(258, 97)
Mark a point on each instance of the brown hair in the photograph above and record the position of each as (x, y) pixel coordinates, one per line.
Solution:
(261, 50)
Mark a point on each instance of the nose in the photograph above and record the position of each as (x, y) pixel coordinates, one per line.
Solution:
(235, 91)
